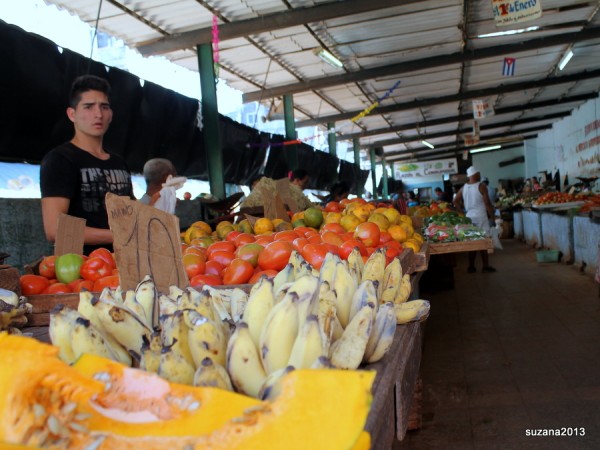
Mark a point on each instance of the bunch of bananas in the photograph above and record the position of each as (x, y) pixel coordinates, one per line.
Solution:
(12, 311)
(341, 316)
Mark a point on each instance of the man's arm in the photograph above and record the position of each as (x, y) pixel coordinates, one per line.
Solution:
(458, 200)
(486, 200)
(53, 207)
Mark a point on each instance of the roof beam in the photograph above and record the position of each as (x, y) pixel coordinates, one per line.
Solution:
(267, 22)
(426, 63)
(491, 126)
(467, 95)
(464, 117)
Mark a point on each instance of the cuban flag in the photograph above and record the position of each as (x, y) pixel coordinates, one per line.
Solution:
(508, 67)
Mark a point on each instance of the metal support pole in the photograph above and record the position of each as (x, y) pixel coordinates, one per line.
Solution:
(210, 119)
(385, 179)
(291, 154)
(331, 138)
(373, 166)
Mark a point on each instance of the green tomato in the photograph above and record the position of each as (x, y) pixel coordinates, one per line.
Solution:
(67, 267)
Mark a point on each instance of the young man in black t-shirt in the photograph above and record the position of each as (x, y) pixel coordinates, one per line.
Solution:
(75, 176)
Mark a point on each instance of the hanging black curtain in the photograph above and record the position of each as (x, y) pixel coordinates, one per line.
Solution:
(277, 166)
(353, 175)
(241, 159)
(325, 170)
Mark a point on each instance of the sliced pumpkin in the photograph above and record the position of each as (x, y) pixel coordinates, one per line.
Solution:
(102, 404)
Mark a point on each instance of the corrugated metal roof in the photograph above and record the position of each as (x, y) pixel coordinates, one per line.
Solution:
(406, 35)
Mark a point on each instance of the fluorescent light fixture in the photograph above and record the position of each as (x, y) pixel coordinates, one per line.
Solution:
(508, 32)
(485, 149)
(565, 59)
(328, 57)
(427, 144)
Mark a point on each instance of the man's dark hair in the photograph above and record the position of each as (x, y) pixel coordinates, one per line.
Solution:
(86, 83)
(299, 174)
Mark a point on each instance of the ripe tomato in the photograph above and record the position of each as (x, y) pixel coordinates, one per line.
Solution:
(95, 268)
(33, 284)
(243, 238)
(333, 207)
(106, 255)
(232, 235)
(267, 273)
(264, 239)
(384, 237)
(111, 281)
(214, 268)
(391, 252)
(225, 246)
(332, 238)
(368, 232)
(250, 252)
(286, 235)
(46, 267)
(275, 255)
(195, 250)
(314, 254)
(335, 227)
(347, 247)
(222, 257)
(299, 244)
(80, 284)
(193, 264)
(238, 272)
(58, 288)
(314, 239)
(202, 279)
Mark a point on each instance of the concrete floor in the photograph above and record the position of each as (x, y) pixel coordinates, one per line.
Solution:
(508, 352)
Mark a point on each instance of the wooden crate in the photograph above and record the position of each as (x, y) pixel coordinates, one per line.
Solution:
(461, 246)
(9, 278)
(421, 258)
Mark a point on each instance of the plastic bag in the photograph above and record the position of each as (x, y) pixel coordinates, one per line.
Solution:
(495, 233)
(168, 200)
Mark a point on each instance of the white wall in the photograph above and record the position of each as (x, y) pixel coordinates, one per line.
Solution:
(487, 163)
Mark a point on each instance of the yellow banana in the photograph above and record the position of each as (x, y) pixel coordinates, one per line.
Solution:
(87, 339)
(307, 290)
(309, 345)
(375, 268)
(146, 295)
(271, 388)
(328, 269)
(210, 374)
(199, 302)
(285, 275)
(174, 334)
(347, 352)
(326, 315)
(244, 362)
(382, 334)
(166, 306)
(9, 297)
(205, 339)
(364, 294)
(175, 368)
(296, 260)
(136, 308)
(238, 302)
(62, 323)
(279, 333)
(404, 290)
(125, 327)
(283, 289)
(150, 358)
(409, 311)
(344, 286)
(392, 276)
(322, 362)
(356, 265)
(175, 293)
(260, 302)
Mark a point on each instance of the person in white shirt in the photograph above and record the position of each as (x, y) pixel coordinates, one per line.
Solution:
(473, 198)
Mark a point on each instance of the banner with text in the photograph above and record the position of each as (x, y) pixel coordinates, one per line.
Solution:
(510, 12)
(426, 168)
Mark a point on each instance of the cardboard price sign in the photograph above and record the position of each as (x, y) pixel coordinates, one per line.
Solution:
(146, 242)
(69, 235)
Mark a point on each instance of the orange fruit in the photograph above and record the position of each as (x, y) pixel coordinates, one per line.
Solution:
(202, 225)
(263, 226)
(398, 233)
(380, 220)
(349, 222)
(392, 214)
(412, 243)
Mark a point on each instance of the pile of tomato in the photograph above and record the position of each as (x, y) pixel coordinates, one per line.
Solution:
(72, 273)
(243, 258)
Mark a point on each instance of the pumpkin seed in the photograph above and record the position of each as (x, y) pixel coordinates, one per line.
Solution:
(53, 425)
(78, 427)
(68, 408)
(96, 444)
(38, 410)
(102, 376)
(193, 406)
(82, 416)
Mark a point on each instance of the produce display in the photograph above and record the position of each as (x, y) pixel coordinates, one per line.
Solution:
(341, 316)
(451, 226)
(100, 404)
(240, 253)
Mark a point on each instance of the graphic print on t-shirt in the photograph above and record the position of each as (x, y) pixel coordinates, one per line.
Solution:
(96, 182)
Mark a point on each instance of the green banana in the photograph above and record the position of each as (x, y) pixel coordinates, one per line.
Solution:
(347, 352)
(382, 335)
(244, 362)
(260, 302)
(210, 374)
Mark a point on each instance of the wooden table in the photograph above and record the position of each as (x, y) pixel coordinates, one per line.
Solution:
(461, 246)
(394, 387)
